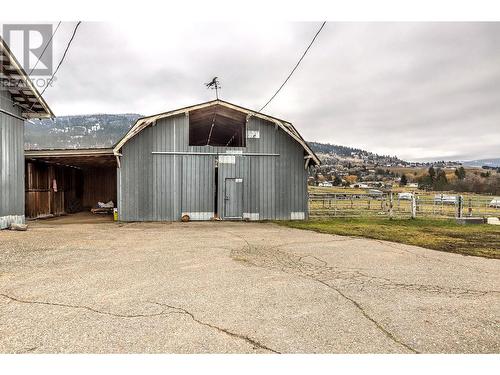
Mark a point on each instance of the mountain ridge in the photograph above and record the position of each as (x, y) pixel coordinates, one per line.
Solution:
(78, 131)
(102, 130)
(489, 162)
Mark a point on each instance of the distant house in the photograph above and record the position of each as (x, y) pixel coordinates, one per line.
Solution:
(413, 185)
(19, 100)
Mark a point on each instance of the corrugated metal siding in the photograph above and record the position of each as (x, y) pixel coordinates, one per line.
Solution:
(11, 160)
(162, 187)
(198, 186)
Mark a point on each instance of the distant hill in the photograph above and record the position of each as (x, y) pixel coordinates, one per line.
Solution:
(495, 163)
(326, 150)
(104, 130)
(82, 131)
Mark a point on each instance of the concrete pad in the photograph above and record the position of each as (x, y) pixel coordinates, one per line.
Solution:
(229, 287)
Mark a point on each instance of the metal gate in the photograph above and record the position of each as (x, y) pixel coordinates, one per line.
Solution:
(233, 198)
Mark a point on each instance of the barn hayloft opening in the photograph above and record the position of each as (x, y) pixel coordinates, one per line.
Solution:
(217, 125)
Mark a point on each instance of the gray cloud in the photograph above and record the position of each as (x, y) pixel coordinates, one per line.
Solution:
(417, 90)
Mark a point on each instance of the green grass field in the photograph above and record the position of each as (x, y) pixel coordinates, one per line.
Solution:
(442, 235)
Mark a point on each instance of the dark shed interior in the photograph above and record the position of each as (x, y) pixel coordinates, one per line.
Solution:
(61, 182)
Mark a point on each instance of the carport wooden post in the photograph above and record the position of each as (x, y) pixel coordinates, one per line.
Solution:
(49, 190)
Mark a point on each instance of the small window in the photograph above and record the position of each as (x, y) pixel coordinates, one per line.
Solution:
(217, 126)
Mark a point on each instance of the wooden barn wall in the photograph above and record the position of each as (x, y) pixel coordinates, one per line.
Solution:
(163, 187)
(11, 163)
(41, 198)
(99, 185)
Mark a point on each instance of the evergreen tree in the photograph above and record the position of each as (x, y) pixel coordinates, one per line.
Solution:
(432, 174)
(404, 180)
(440, 182)
(460, 173)
(337, 181)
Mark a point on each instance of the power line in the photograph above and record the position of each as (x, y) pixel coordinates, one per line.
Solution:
(296, 66)
(41, 55)
(62, 59)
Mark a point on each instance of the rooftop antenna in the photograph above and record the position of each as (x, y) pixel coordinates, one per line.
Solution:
(214, 85)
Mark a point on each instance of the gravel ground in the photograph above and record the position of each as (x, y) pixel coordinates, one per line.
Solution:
(228, 287)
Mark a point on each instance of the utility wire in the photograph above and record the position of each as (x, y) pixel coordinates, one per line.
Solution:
(41, 55)
(62, 59)
(296, 66)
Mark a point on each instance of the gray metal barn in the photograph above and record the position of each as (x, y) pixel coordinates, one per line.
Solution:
(214, 159)
(19, 100)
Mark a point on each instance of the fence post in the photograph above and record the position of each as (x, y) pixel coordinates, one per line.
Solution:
(460, 205)
(413, 206)
(391, 204)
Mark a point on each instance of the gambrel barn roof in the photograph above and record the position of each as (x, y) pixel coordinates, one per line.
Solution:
(224, 110)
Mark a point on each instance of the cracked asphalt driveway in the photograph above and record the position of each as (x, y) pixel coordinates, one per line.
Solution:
(228, 287)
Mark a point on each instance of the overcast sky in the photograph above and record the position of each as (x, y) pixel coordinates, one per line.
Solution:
(416, 90)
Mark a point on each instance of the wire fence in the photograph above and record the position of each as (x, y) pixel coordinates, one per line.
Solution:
(325, 205)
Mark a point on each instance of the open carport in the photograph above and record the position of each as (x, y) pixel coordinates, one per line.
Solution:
(60, 182)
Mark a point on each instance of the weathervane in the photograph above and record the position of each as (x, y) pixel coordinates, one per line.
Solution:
(214, 85)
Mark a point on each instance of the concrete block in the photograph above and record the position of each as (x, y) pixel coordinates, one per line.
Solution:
(470, 220)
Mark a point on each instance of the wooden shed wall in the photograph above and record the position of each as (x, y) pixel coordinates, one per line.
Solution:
(41, 199)
(99, 185)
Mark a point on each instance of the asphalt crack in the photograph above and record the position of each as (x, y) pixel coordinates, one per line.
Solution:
(82, 307)
(273, 258)
(253, 342)
(369, 317)
(171, 310)
(248, 249)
